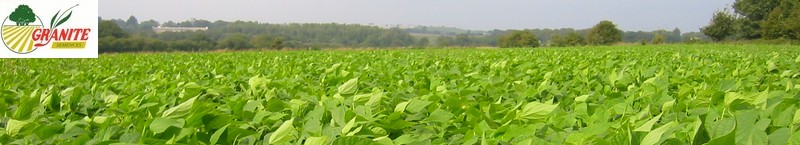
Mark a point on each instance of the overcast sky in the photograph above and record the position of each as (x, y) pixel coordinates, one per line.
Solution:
(629, 15)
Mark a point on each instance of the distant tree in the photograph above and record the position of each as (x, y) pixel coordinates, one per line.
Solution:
(169, 24)
(23, 15)
(571, 39)
(675, 36)
(605, 33)
(148, 25)
(422, 42)
(720, 27)
(463, 40)
(110, 29)
(444, 41)
(658, 39)
(557, 41)
(519, 38)
(132, 21)
(267, 41)
(575, 39)
(234, 41)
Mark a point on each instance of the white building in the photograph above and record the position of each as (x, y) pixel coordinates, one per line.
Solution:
(160, 29)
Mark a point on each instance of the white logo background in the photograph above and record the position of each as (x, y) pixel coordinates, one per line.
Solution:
(83, 16)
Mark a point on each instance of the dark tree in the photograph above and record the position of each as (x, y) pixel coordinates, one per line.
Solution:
(518, 38)
(23, 15)
(604, 33)
(720, 27)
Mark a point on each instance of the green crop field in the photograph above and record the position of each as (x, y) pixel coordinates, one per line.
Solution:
(670, 94)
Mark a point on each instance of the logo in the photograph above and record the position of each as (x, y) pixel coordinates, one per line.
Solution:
(37, 30)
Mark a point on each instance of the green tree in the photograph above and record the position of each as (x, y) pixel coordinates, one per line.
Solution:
(23, 15)
(132, 21)
(519, 38)
(575, 39)
(720, 27)
(423, 42)
(444, 41)
(267, 41)
(110, 29)
(234, 41)
(658, 39)
(754, 13)
(783, 21)
(605, 33)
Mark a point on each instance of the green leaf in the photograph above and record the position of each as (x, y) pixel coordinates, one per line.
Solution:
(440, 115)
(797, 116)
(13, 127)
(322, 140)
(780, 136)
(730, 97)
(647, 126)
(160, 124)
(64, 20)
(349, 87)
(417, 105)
(180, 110)
(257, 82)
(771, 66)
(581, 98)
(353, 140)
(655, 136)
(401, 107)
(283, 134)
(53, 20)
(535, 110)
(727, 139)
(375, 98)
(215, 136)
(349, 126)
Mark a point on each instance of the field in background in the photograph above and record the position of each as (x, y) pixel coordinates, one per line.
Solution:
(673, 94)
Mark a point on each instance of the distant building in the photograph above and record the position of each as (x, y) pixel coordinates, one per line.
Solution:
(160, 29)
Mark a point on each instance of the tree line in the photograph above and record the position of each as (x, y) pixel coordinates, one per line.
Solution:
(117, 35)
(756, 20)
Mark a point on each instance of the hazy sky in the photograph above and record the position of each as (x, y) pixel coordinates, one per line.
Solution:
(629, 15)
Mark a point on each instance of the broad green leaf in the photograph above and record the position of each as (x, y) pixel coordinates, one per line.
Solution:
(656, 136)
(727, 139)
(13, 127)
(375, 98)
(417, 105)
(581, 98)
(349, 87)
(440, 115)
(647, 126)
(797, 116)
(771, 66)
(730, 97)
(180, 110)
(535, 110)
(780, 136)
(322, 140)
(160, 124)
(217, 134)
(349, 126)
(256, 82)
(353, 140)
(401, 107)
(283, 134)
